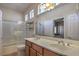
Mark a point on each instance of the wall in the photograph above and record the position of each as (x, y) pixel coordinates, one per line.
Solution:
(12, 15)
(72, 26)
(0, 32)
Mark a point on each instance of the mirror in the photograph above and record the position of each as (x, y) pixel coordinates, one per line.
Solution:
(48, 27)
(66, 27)
(59, 28)
(53, 28)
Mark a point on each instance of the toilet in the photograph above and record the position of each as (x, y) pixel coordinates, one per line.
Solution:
(21, 50)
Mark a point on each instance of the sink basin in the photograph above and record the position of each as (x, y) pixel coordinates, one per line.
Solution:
(53, 43)
(60, 46)
(47, 41)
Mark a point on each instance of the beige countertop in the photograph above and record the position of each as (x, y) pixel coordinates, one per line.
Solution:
(72, 50)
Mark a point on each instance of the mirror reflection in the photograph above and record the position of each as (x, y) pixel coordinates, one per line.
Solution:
(63, 27)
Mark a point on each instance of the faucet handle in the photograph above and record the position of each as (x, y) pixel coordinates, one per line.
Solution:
(59, 42)
(68, 44)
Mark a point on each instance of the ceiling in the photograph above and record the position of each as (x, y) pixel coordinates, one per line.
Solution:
(21, 7)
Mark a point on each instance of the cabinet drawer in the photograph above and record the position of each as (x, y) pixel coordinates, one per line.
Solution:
(32, 52)
(49, 53)
(37, 48)
(38, 54)
(28, 43)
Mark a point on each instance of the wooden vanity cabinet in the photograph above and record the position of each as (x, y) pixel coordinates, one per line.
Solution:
(32, 52)
(36, 50)
(49, 53)
(32, 49)
(38, 54)
(28, 43)
(27, 50)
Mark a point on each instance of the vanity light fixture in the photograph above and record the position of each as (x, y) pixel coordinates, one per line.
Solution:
(50, 6)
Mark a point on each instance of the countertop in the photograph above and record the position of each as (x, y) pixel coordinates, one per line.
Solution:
(72, 50)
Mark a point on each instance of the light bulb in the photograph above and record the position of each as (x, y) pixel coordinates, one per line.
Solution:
(47, 4)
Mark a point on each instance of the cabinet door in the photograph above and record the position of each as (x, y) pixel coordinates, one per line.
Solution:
(28, 43)
(32, 52)
(38, 54)
(49, 53)
(27, 49)
(37, 48)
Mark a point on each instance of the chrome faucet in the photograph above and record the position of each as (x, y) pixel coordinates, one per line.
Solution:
(61, 42)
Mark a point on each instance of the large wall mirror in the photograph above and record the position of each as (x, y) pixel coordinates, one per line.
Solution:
(50, 27)
(63, 27)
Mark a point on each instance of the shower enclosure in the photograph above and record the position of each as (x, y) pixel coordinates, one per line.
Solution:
(12, 36)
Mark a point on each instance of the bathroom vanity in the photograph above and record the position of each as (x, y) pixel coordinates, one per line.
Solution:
(51, 47)
(33, 49)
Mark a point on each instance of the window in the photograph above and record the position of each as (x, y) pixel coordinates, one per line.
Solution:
(31, 14)
(43, 7)
(26, 17)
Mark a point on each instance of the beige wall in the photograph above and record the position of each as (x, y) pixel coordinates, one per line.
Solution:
(9, 14)
(0, 32)
(71, 23)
